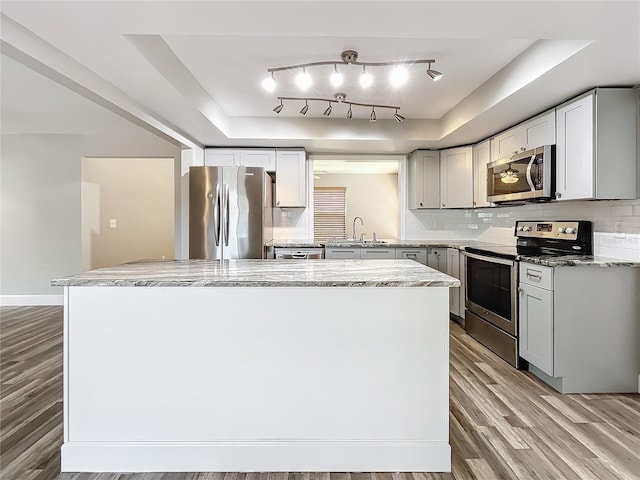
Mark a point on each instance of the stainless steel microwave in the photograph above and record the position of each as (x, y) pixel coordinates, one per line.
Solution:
(525, 176)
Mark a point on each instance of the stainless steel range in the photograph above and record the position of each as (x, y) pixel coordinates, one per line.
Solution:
(491, 301)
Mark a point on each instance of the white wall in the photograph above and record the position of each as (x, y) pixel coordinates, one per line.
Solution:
(40, 220)
(136, 193)
(374, 197)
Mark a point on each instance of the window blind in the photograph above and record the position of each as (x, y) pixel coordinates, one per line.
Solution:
(330, 212)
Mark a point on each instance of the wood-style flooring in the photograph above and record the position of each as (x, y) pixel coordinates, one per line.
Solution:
(505, 424)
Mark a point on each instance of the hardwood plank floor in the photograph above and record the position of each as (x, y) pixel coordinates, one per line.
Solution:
(505, 424)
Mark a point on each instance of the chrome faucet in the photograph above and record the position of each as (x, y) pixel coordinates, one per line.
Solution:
(355, 239)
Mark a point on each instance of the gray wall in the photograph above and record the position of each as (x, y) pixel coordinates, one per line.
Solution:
(40, 220)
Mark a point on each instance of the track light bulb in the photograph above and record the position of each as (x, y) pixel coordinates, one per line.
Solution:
(399, 76)
(305, 109)
(372, 118)
(279, 108)
(349, 112)
(269, 83)
(303, 80)
(399, 118)
(336, 78)
(434, 74)
(327, 112)
(365, 79)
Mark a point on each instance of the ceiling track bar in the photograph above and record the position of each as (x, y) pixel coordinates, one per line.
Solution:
(332, 100)
(341, 62)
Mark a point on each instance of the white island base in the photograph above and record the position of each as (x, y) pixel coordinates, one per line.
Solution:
(256, 379)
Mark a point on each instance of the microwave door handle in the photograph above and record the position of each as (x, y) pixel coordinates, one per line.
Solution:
(529, 179)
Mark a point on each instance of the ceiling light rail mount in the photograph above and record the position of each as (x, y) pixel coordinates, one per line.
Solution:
(338, 98)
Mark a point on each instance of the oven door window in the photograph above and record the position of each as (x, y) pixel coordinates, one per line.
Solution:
(489, 286)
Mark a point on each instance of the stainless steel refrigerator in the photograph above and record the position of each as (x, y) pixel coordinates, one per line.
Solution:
(230, 212)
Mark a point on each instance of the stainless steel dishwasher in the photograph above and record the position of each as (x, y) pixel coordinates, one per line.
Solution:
(292, 253)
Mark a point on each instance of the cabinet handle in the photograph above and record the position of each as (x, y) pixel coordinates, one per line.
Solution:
(420, 203)
(520, 289)
(558, 195)
(522, 148)
(534, 275)
(444, 204)
(278, 202)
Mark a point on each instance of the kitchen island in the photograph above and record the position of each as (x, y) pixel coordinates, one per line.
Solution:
(252, 365)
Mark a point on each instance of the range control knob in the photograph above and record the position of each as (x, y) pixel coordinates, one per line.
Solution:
(526, 228)
(570, 230)
(561, 230)
(520, 228)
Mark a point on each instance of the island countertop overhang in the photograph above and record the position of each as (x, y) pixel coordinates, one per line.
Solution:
(263, 273)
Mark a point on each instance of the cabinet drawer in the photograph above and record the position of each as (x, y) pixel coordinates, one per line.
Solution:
(378, 253)
(416, 254)
(537, 275)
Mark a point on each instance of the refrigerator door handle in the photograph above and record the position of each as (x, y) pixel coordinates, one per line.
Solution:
(226, 214)
(216, 216)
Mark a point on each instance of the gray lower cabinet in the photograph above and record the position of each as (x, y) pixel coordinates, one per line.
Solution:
(380, 253)
(437, 259)
(453, 270)
(417, 254)
(578, 326)
(342, 253)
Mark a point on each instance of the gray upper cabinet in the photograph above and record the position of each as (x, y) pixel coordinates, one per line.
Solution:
(423, 180)
(291, 178)
(456, 178)
(596, 151)
(532, 133)
(481, 157)
(241, 157)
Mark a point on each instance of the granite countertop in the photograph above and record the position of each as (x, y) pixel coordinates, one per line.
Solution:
(578, 261)
(459, 244)
(264, 273)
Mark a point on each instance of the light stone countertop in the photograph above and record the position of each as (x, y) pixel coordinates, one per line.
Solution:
(264, 273)
(578, 261)
(459, 244)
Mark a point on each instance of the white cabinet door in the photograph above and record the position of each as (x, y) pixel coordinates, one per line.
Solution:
(221, 158)
(456, 178)
(539, 131)
(341, 253)
(453, 270)
(481, 157)
(536, 326)
(381, 253)
(416, 254)
(291, 178)
(506, 144)
(423, 180)
(437, 259)
(258, 158)
(575, 150)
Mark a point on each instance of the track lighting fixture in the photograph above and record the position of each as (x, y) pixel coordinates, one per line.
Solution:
(339, 98)
(303, 80)
(336, 78)
(398, 76)
(365, 79)
(269, 83)
(434, 74)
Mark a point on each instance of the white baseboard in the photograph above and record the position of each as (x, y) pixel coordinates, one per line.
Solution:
(30, 300)
(266, 456)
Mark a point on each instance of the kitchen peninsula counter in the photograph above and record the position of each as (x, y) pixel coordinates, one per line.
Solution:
(264, 273)
(257, 366)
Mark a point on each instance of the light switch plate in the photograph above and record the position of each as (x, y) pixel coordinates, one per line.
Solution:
(112, 223)
(618, 229)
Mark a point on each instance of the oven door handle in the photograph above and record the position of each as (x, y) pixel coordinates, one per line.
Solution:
(487, 258)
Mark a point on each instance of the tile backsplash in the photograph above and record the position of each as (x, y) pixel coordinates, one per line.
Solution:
(462, 223)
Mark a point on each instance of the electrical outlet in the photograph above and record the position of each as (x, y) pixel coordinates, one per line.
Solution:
(618, 229)
(112, 223)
